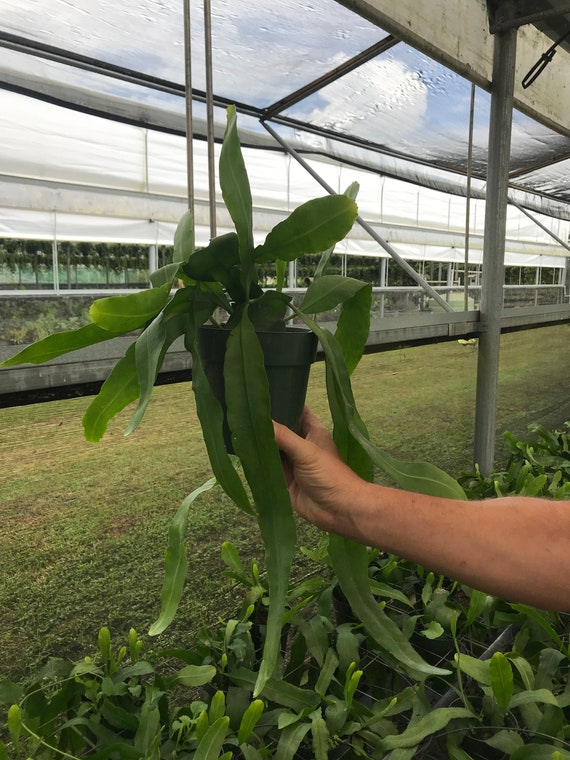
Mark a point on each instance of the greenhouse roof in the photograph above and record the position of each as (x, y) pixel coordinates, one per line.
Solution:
(332, 78)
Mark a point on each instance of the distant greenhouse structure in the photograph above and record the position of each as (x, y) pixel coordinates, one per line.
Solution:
(464, 226)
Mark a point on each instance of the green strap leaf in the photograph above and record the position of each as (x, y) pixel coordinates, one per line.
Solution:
(290, 741)
(350, 563)
(175, 561)
(434, 721)
(249, 419)
(211, 744)
(250, 719)
(151, 347)
(61, 343)
(211, 419)
(320, 736)
(282, 692)
(119, 390)
(236, 193)
(311, 228)
(501, 674)
(353, 327)
(126, 313)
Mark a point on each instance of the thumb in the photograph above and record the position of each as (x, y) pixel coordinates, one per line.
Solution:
(295, 447)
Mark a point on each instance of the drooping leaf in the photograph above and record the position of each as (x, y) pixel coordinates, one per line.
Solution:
(131, 312)
(353, 327)
(267, 313)
(176, 562)
(61, 343)
(350, 563)
(434, 721)
(211, 418)
(236, 193)
(249, 419)
(119, 390)
(311, 228)
(151, 347)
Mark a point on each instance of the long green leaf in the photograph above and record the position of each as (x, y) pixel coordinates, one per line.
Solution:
(126, 313)
(175, 561)
(211, 744)
(151, 347)
(61, 343)
(211, 419)
(249, 419)
(311, 228)
(236, 193)
(250, 719)
(350, 563)
(290, 741)
(420, 477)
(281, 692)
(434, 721)
(353, 327)
(119, 390)
(501, 674)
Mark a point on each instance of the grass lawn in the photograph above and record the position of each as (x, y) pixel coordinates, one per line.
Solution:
(85, 527)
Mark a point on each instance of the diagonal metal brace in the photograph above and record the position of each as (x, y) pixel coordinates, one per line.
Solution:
(365, 226)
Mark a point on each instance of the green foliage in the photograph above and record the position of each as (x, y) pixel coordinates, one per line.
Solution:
(536, 467)
(339, 695)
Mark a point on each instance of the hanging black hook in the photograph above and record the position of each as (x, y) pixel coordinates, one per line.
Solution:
(542, 63)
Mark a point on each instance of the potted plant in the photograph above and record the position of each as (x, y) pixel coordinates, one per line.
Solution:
(223, 275)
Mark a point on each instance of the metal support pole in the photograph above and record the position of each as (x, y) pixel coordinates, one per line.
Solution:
(210, 116)
(383, 282)
(468, 200)
(152, 258)
(189, 121)
(505, 45)
(365, 226)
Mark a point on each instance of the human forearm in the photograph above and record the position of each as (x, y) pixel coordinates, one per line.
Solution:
(514, 547)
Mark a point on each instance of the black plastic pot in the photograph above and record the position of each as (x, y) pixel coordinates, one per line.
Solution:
(288, 355)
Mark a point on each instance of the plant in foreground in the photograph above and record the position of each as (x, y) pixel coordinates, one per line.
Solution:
(223, 274)
(338, 693)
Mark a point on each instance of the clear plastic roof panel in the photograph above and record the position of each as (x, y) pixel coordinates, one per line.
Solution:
(400, 105)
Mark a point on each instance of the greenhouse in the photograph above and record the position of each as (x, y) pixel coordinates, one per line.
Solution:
(360, 203)
(94, 149)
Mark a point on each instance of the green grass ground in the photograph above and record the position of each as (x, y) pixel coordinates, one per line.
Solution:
(84, 527)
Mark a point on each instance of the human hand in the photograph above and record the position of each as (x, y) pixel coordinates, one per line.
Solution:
(321, 486)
